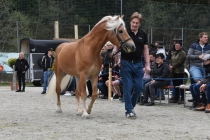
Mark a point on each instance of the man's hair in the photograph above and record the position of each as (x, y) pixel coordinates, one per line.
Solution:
(201, 34)
(136, 15)
(179, 42)
(160, 55)
(153, 54)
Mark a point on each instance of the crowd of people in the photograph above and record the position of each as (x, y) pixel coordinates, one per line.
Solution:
(139, 76)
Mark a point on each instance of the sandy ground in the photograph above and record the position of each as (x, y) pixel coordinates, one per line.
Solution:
(31, 116)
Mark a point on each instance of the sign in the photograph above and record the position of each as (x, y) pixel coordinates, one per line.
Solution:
(1, 68)
(3, 61)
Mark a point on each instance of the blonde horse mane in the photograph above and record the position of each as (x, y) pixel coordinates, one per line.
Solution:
(112, 22)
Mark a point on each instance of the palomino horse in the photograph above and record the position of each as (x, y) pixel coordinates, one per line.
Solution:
(82, 58)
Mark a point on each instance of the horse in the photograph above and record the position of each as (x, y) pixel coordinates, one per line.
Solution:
(82, 59)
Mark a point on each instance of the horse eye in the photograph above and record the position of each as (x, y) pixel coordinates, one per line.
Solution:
(120, 31)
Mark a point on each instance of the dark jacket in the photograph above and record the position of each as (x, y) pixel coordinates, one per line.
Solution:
(106, 60)
(177, 61)
(161, 72)
(171, 51)
(21, 65)
(47, 62)
(194, 51)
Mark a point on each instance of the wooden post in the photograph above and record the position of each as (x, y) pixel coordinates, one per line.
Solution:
(56, 32)
(110, 84)
(14, 79)
(76, 31)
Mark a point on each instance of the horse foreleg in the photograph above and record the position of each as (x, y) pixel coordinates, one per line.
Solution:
(94, 94)
(82, 86)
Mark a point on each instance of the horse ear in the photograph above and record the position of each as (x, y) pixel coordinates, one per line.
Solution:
(122, 16)
(117, 17)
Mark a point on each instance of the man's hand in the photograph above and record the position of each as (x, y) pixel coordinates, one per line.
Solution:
(203, 88)
(147, 69)
(198, 82)
(23, 71)
(201, 56)
(152, 81)
(171, 67)
(206, 62)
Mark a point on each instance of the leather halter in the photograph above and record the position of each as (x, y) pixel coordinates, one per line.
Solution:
(122, 43)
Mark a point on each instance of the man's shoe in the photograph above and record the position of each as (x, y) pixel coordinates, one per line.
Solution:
(181, 101)
(131, 115)
(150, 104)
(173, 101)
(158, 98)
(43, 92)
(143, 102)
(18, 91)
(122, 100)
(207, 110)
(172, 98)
(103, 97)
(190, 100)
(194, 105)
(200, 107)
(23, 90)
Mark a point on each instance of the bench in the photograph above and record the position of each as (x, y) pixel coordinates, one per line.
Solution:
(185, 87)
(168, 91)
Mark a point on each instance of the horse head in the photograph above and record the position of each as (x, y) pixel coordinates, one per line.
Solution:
(121, 37)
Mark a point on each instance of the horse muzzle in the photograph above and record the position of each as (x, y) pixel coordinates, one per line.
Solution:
(128, 47)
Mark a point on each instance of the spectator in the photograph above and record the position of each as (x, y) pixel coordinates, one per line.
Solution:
(117, 81)
(70, 91)
(195, 54)
(160, 48)
(202, 89)
(103, 77)
(160, 71)
(172, 50)
(177, 71)
(21, 66)
(47, 62)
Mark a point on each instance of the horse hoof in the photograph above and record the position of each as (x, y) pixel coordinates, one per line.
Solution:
(85, 115)
(59, 111)
(79, 113)
(89, 111)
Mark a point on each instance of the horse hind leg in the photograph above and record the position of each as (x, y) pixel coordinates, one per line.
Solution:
(58, 90)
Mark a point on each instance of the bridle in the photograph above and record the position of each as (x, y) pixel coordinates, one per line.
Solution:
(122, 43)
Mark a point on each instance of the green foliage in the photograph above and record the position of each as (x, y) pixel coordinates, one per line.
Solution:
(11, 62)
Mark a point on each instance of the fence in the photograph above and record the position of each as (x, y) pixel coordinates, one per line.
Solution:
(161, 21)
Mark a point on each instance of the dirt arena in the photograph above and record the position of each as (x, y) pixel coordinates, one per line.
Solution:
(31, 116)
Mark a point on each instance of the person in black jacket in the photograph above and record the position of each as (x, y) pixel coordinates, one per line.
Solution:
(159, 73)
(47, 62)
(21, 66)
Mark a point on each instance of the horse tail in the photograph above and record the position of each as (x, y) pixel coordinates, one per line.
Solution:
(51, 90)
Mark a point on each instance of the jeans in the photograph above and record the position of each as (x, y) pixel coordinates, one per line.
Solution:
(47, 75)
(72, 86)
(194, 89)
(150, 89)
(208, 93)
(197, 73)
(158, 92)
(132, 78)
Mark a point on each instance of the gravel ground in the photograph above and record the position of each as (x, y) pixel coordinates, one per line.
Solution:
(31, 116)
